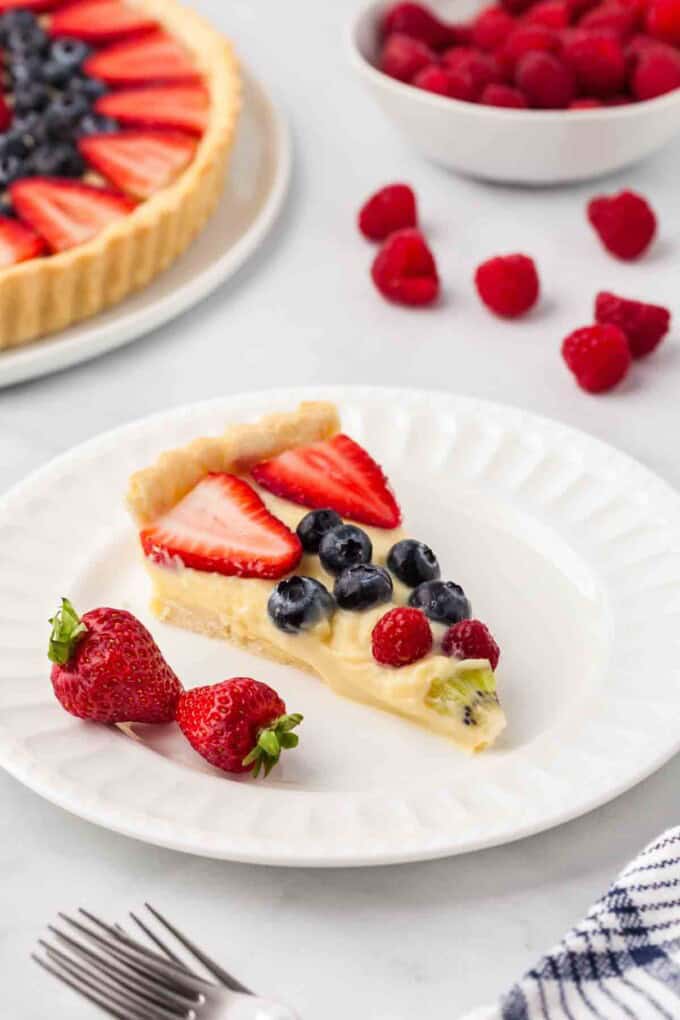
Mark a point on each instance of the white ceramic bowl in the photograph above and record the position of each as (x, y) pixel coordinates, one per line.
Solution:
(521, 146)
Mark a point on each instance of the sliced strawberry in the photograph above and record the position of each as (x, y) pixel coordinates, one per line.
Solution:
(100, 21)
(139, 162)
(338, 474)
(18, 243)
(223, 527)
(67, 213)
(30, 5)
(184, 107)
(153, 58)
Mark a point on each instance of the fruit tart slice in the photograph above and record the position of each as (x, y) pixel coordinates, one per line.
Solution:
(285, 537)
(116, 122)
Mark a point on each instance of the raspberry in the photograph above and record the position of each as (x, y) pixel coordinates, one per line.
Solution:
(392, 208)
(585, 103)
(657, 72)
(401, 637)
(491, 27)
(508, 284)
(546, 82)
(471, 639)
(402, 57)
(503, 95)
(470, 71)
(418, 22)
(645, 325)
(526, 39)
(551, 13)
(598, 356)
(663, 20)
(433, 78)
(404, 270)
(597, 61)
(517, 6)
(625, 222)
(614, 18)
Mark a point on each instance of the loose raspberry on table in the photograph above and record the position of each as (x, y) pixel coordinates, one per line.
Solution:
(491, 28)
(597, 62)
(402, 57)
(401, 636)
(645, 325)
(508, 284)
(625, 223)
(663, 20)
(545, 80)
(404, 270)
(471, 639)
(657, 71)
(433, 78)
(392, 208)
(598, 356)
(503, 95)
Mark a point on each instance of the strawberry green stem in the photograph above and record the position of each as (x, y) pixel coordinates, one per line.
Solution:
(271, 740)
(67, 630)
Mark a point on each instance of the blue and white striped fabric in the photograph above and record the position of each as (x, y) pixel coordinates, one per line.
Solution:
(622, 962)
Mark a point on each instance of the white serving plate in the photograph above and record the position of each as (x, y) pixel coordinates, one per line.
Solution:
(257, 186)
(568, 548)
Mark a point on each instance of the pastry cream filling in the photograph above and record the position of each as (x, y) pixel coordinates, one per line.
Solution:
(452, 697)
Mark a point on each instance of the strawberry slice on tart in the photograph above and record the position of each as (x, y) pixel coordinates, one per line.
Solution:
(139, 163)
(18, 242)
(153, 58)
(184, 107)
(100, 21)
(67, 213)
(233, 551)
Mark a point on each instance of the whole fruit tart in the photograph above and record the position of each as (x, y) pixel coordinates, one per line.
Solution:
(116, 123)
(285, 537)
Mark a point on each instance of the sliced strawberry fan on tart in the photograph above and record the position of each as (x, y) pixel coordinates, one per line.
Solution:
(115, 130)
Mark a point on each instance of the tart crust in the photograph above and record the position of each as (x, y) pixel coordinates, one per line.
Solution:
(155, 490)
(47, 294)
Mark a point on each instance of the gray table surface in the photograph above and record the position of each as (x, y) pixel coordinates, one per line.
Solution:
(426, 940)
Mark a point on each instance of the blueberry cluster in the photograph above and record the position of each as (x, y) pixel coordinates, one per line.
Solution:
(345, 551)
(52, 101)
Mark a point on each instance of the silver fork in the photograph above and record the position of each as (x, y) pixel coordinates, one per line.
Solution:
(130, 980)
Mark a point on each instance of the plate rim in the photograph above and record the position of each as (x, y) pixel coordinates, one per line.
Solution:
(30, 777)
(52, 353)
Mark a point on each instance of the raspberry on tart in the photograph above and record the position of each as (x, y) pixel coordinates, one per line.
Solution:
(234, 551)
(107, 104)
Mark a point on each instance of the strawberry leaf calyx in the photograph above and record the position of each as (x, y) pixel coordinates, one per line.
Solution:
(67, 631)
(271, 740)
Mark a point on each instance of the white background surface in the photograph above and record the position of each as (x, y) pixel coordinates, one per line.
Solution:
(421, 940)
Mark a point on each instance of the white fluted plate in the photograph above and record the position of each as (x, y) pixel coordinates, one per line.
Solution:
(569, 549)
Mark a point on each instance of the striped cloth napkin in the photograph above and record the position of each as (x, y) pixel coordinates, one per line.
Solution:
(622, 962)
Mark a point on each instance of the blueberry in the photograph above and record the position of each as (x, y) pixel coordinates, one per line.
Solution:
(25, 70)
(412, 562)
(314, 526)
(69, 54)
(91, 88)
(56, 161)
(64, 112)
(344, 546)
(30, 96)
(29, 39)
(19, 18)
(11, 168)
(362, 587)
(442, 601)
(299, 603)
(96, 124)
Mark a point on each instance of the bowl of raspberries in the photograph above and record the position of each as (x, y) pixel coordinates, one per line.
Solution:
(525, 91)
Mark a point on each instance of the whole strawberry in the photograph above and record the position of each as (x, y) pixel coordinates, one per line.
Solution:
(239, 725)
(108, 668)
